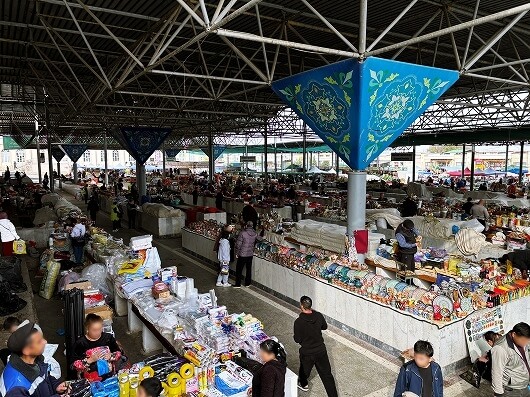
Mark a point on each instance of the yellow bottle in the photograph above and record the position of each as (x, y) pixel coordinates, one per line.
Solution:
(509, 267)
(125, 386)
(134, 382)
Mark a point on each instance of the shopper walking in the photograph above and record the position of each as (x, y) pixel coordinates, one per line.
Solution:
(308, 329)
(115, 216)
(510, 368)
(407, 237)
(269, 381)
(26, 373)
(249, 213)
(223, 255)
(78, 238)
(93, 208)
(245, 253)
(421, 376)
(8, 233)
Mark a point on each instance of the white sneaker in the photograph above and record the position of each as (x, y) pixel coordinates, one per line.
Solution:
(227, 285)
(219, 284)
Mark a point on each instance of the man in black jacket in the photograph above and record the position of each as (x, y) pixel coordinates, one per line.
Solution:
(308, 329)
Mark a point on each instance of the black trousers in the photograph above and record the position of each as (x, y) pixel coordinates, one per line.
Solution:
(408, 259)
(116, 224)
(131, 215)
(244, 262)
(321, 362)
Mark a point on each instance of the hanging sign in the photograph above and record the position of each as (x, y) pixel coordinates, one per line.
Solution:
(57, 153)
(74, 151)
(141, 142)
(402, 156)
(359, 109)
(172, 153)
(217, 151)
(247, 159)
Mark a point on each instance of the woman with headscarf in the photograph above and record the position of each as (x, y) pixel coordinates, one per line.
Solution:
(8, 232)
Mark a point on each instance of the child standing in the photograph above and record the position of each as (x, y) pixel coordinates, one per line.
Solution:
(421, 376)
(223, 255)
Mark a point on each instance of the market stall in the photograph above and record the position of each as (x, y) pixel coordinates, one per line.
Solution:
(203, 341)
(443, 291)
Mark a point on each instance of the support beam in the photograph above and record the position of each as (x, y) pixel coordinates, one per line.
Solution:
(413, 163)
(472, 180)
(392, 24)
(463, 159)
(49, 142)
(506, 161)
(304, 151)
(106, 159)
(211, 160)
(333, 28)
(521, 157)
(285, 43)
(356, 204)
(140, 180)
(59, 174)
(363, 17)
(455, 28)
(265, 155)
(163, 160)
(491, 42)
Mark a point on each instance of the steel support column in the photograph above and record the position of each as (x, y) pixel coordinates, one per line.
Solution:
(472, 180)
(106, 160)
(413, 163)
(140, 179)
(211, 161)
(304, 149)
(39, 167)
(49, 143)
(356, 205)
(463, 159)
(337, 160)
(363, 16)
(265, 157)
(521, 157)
(59, 174)
(163, 160)
(506, 161)
(74, 171)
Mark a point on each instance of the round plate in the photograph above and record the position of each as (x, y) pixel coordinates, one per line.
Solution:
(445, 303)
(400, 286)
(391, 284)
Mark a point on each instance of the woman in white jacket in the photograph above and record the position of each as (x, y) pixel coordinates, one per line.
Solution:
(8, 232)
(223, 255)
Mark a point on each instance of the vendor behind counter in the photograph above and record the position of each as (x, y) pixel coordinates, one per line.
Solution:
(519, 259)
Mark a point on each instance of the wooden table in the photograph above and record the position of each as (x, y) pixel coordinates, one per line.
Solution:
(422, 277)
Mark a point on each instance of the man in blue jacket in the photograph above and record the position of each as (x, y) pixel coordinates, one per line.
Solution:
(26, 374)
(421, 376)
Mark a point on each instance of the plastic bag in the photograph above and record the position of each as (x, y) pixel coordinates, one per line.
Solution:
(97, 275)
(55, 368)
(19, 247)
(50, 278)
(67, 278)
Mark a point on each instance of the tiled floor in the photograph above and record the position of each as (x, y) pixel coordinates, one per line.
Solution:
(360, 370)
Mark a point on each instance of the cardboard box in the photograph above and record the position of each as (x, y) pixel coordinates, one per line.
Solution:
(105, 312)
(83, 284)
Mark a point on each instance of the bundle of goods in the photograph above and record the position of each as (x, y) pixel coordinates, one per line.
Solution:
(319, 234)
(209, 228)
(161, 211)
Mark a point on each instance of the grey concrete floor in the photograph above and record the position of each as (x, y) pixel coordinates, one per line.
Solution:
(360, 370)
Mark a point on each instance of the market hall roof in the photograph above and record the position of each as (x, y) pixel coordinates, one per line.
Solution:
(204, 67)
